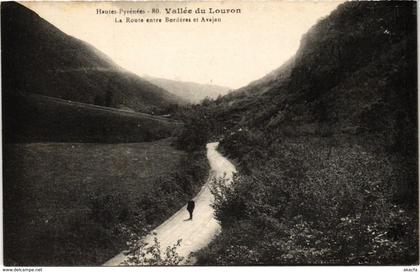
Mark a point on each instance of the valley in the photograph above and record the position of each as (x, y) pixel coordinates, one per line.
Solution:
(315, 163)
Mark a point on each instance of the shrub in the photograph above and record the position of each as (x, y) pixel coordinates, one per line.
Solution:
(314, 204)
(141, 253)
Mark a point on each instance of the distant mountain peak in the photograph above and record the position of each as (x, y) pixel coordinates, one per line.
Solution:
(189, 91)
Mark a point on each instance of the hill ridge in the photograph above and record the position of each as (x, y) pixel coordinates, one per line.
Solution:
(71, 68)
(188, 90)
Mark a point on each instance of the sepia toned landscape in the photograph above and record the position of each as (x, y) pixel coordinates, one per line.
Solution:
(248, 152)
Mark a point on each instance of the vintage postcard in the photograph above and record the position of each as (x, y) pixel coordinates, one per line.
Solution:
(209, 133)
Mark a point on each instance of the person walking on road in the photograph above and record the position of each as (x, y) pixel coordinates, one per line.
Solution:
(190, 208)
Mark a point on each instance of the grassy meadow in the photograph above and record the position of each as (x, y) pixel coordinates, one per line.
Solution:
(64, 202)
(36, 118)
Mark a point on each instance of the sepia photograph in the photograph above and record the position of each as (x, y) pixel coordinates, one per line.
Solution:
(209, 133)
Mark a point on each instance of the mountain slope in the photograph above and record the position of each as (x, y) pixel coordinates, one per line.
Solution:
(41, 59)
(189, 91)
(352, 74)
(326, 148)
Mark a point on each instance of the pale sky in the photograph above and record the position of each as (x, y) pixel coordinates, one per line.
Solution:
(241, 48)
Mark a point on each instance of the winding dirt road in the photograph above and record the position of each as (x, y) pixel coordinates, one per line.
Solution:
(197, 233)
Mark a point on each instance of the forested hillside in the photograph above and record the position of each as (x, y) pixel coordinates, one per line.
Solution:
(327, 148)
